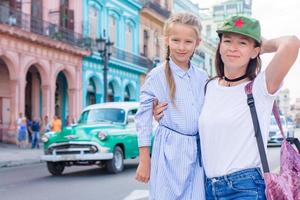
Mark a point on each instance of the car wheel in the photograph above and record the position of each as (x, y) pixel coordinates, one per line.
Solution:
(116, 165)
(55, 168)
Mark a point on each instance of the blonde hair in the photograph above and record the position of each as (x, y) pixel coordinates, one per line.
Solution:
(184, 19)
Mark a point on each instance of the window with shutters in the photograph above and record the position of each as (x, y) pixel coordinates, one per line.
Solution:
(146, 41)
(36, 23)
(113, 28)
(93, 22)
(156, 42)
(129, 38)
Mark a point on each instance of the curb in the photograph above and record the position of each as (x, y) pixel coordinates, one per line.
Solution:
(19, 163)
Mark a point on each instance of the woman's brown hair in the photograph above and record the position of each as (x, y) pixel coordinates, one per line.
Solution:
(253, 68)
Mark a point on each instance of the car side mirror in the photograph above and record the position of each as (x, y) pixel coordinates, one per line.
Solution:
(130, 119)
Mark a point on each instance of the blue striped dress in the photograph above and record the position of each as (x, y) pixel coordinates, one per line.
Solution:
(175, 170)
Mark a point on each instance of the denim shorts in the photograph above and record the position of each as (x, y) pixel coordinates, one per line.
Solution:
(246, 184)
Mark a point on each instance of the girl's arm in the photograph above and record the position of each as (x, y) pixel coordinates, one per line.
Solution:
(143, 170)
(143, 120)
(286, 51)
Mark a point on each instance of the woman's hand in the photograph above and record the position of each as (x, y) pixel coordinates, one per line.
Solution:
(262, 47)
(158, 109)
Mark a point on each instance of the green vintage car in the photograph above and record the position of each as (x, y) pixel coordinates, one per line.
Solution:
(105, 135)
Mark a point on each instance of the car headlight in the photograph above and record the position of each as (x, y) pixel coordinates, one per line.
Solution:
(102, 135)
(45, 138)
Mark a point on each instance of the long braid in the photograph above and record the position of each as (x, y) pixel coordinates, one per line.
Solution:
(169, 77)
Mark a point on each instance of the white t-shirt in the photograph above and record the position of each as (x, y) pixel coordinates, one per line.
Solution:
(226, 130)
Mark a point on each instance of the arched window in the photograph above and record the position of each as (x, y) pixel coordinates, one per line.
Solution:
(113, 28)
(129, 37)
(93, 22)
(91, 92)
(127, 93)
(110, 92)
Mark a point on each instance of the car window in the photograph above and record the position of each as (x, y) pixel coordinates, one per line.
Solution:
(273, 121)
(103, 115)
(132, 112)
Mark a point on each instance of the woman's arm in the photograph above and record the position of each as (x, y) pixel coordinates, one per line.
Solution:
(286, 51)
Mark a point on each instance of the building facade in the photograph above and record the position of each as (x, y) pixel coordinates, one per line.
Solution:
(40, 62)
(153, 15)
(118, 20)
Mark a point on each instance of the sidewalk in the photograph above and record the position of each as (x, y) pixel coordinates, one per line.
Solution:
(11, 155)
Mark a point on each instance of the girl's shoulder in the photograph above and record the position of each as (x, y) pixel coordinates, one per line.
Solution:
(156, 72)
(201, 73)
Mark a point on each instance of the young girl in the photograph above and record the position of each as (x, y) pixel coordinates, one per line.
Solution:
(175, 171)
(229, 148)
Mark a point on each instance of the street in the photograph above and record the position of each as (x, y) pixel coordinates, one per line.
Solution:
(33, 182)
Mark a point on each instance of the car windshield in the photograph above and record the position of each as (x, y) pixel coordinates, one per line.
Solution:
(102, 115)
(273, 121)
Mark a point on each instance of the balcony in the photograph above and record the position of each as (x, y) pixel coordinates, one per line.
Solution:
(37, 26)
(131, 58)
(156, 7)
(121, 54)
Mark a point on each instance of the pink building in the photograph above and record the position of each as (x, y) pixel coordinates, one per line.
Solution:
(40, 61)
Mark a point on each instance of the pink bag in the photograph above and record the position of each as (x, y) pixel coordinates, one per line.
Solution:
(286, 184)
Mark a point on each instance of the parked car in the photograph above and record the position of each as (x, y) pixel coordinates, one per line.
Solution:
(105, 135)
(275, 137)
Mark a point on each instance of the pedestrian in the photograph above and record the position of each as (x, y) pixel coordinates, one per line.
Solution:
(22, 132)
(229, 148)
(68, 121)
(29, 131)
(19, 120)
(56, 124)
(175, 171)
(47, 124)
(35, 127)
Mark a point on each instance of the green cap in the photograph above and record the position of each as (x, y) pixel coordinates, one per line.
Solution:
(242, 25)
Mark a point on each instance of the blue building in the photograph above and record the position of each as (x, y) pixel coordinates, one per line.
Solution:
(119, 20)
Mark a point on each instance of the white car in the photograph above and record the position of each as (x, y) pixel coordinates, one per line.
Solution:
(275, 136)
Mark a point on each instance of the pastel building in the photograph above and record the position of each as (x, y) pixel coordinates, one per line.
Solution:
(153, 15)
(41, 54)
(118, 20)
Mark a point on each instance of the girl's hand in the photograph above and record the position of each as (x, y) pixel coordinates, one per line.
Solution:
(158, 109)
(143, 172)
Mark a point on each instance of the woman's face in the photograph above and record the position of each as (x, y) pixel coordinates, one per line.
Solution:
(182, 41)
(236, 51)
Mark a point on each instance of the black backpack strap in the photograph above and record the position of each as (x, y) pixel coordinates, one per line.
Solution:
(205, 86)
(260, 143)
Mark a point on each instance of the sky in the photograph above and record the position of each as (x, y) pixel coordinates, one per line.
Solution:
(277, 18)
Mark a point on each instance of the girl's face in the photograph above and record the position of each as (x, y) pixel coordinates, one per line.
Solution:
(182, 41)
(236, 51)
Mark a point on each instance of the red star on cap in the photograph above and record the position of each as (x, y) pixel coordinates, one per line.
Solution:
(239, 23)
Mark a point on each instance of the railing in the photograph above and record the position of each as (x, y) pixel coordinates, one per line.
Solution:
(28, 23)
(156, 7)
(31, 24)
(131, 58)
(122, 55)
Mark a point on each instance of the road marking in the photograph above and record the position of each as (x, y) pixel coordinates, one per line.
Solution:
(137, 194)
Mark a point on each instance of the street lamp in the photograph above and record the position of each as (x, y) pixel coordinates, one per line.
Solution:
(104, 47)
